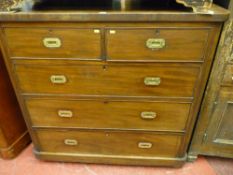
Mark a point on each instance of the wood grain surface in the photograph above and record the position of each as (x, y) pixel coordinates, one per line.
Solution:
(13, 132)
(109, 143)
(109, 79)
(99, 114)
(75, 43)
(181, 44)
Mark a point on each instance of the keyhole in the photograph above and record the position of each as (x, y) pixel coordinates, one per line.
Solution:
(104, 67)
(157, 32)
(50, 30)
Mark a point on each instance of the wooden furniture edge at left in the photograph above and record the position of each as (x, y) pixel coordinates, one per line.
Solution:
(14, 136)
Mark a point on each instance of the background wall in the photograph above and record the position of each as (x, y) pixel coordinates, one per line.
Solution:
(223, 3)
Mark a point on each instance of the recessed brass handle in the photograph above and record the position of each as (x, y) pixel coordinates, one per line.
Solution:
(148, 115)
(155, 43)
(70, 142)
(65, 113)
(112, 31)
(152, 81)
(96, 31)
(145, 145)
(52, 42)
(58, 79)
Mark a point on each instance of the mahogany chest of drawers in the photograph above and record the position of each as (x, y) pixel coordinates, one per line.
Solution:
(102, 89)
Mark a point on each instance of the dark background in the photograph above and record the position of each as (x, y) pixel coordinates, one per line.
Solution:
(223, 3)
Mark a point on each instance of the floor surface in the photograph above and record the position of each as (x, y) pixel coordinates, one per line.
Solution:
(222, 166)
(27, 164)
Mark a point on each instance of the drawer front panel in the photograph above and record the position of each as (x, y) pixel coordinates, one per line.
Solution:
(109, 143)
(157, 44)
(99, 114)
(54, 43)
(228, 77)
(118, 80)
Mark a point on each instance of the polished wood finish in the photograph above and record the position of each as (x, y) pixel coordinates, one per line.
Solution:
(109, 143)
(75, 43)
(181, 44)
(213, 135)
(111, 159)
(127, 115)
(108, 79)
(14, 136)
(118, 90)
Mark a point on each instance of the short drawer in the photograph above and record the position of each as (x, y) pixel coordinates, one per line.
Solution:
(113, 80)
(174, 44)
(228, 77)
(53, 43)
(108, 114)
(109, 143)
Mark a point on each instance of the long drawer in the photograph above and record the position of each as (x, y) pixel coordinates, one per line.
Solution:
(99, 114)
(174, 44)
(170, 80)
(54, 43)
(109, 143)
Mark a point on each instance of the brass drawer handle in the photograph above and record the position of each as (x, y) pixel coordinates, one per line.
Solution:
(145, 145)
(52, 42)
(71, 142)
(96, 31)
(65, 113)
(148, 115)
(152, 81)
(112, 31)
(155, 43)
(58, 79)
